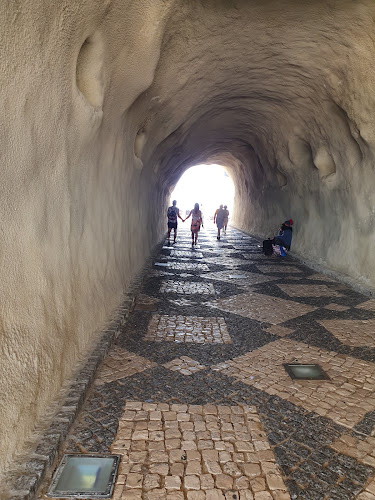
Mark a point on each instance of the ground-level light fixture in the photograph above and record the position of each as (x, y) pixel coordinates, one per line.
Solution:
(85, 476)
(299, 371)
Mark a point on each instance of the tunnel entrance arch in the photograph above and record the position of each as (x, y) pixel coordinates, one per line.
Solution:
(209, 185)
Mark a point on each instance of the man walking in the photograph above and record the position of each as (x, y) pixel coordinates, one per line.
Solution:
(172, 214)
(219, 219)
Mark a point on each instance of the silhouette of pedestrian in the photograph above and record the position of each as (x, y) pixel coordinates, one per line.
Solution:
(172, 214)
(219, 219)
(226, 217)
(196, 223)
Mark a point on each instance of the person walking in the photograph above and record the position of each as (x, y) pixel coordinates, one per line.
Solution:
(172, 214)
(226, 217)
(219, 219)
(196, 223)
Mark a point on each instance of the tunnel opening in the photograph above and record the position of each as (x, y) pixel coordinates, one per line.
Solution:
(208, 185)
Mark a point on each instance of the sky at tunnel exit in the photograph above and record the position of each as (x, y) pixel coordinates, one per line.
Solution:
(208, 185)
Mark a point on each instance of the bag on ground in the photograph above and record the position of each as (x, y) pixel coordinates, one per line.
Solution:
(267, 247)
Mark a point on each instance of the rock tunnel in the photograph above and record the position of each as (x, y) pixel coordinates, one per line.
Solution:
(106, 103)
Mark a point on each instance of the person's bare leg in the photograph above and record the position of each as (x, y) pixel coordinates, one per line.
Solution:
(196, 238)
(175, 236)
(192, 238)
(218, 233)
(169, 234)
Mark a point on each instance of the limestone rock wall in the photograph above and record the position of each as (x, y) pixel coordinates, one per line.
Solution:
(106, 102)
(77, 207)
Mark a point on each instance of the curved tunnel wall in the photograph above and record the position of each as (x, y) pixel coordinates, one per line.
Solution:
(105, 104)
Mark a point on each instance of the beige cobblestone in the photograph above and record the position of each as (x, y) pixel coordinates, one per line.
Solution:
(201, 330)
(280, 331)
(368, 305)
(336, 307)
(186, 366)
(262, 307)
(192, 469)
(309, 291)
(338, 398)
(355, 333)
(120, 363)
(241, 278)
(187, 288)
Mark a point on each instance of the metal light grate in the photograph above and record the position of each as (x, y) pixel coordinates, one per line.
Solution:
(85, 476)
(300, 371)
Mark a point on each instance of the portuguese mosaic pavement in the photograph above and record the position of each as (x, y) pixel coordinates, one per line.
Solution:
(194, 395)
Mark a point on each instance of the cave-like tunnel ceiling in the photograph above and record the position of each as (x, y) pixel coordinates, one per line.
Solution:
(281, 94)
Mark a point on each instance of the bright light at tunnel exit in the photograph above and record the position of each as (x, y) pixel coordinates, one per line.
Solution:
(208, 185)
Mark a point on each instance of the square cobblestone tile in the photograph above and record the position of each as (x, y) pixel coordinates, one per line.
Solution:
(120, 363)
(187, 288)
(184, 365)
(188, 266)
(344, 398)
(262, 307)
(190, 254)
(201, 330)
(352, 332)
(190, 449)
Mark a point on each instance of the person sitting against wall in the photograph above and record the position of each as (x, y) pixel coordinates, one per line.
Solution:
(283, 239)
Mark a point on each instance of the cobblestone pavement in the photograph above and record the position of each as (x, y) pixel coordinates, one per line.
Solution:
(194, 395)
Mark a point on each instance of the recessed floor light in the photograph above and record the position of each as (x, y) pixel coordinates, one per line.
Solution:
(237, 276)
(161, 264)
(85, 476)
(305, 371)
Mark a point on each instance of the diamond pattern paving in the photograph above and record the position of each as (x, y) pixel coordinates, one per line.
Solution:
(352, 332)
(242, 278)
(345, 398)
(309, 291)
(194, 396)
(369, 305)
(262, 307)
(120, 363)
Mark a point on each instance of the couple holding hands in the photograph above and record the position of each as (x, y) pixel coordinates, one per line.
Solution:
(196, 221)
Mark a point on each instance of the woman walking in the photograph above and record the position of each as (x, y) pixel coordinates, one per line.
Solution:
(196, 223)
(225, 220)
